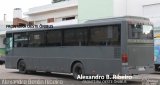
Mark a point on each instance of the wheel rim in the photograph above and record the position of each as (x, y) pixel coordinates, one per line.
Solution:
(78, 70)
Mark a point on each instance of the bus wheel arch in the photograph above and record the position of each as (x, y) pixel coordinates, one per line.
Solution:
(21, 65)
(18, 62)
(77, 68)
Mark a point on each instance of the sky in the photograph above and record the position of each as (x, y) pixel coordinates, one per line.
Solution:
(7, 6)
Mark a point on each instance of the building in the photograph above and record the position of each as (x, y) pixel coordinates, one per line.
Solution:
(93, 9)
(60, 12)
(116, 8)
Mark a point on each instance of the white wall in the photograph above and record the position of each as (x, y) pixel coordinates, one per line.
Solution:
(132, 7)
(68, 22)
(151, 10)
(135, 7)
(55, 6)
(119, 8)
(55, 14)
(144, 8)
(147, 2)
(40, 22)
(128, 7)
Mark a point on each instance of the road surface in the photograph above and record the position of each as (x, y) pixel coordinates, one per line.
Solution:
(13, 77)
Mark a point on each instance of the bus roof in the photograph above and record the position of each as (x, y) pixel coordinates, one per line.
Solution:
(89, 23)
(125, 18)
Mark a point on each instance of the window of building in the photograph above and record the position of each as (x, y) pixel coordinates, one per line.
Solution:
(31, 23)
(54, 38)
(68, 18)
(56, 1)
(50, 20)
(37, 39)
(21, 40)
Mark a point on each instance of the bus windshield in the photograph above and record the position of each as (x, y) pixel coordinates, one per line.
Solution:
(9, 43)
(137, 31)
(140, 33)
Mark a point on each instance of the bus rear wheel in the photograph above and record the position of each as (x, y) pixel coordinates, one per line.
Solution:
(22, 67)
(77, 69)
(157, 67)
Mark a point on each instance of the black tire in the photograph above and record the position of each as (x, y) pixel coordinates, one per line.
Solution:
(22, 67)
(30, 72)
(48, 72)
(157, 67)
(78, 69)
(1, 62)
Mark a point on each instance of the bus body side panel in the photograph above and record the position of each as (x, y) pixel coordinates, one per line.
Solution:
(11, 61)
(140, 57)
(103, 66)
(101, 59)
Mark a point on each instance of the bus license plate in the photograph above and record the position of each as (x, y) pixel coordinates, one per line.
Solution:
(141, 69)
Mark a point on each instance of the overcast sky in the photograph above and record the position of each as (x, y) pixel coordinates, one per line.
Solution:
(7, 6)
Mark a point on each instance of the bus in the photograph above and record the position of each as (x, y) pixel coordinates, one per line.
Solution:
(120, 45)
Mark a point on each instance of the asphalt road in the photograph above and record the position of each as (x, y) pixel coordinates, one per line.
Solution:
(13, 77)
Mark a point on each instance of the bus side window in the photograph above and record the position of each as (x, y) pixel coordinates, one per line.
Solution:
(54, 38)
(70, 38)
(104, 35)
(37, 39)
(75, 37)
(98, 36)
(21, 40)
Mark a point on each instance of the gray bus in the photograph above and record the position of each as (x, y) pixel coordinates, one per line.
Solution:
(122, 45)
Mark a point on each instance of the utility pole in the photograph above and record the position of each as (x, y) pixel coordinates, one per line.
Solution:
(4, 20)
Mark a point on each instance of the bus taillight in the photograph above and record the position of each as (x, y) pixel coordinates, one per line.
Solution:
(124, 58)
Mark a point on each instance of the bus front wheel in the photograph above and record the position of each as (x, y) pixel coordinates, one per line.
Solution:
(77, 70)
(22, 67)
